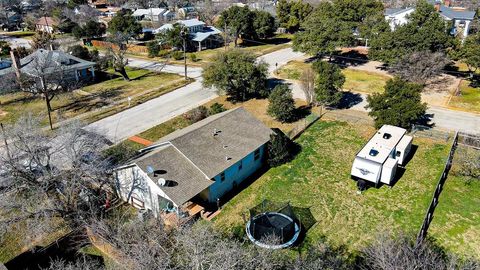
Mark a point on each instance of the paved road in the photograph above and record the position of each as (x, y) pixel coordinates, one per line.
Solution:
(16, 42)
(130, 122)
(441, 117)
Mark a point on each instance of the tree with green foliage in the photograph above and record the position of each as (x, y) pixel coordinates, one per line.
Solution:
(173, 37)
(469, 53)
(216, 108)
(79, 51)
(331, 25)
(328, 83)
(281, 105)
(239, 22)
(238, 74)
(425, 31)
(90, 30)
(400, 105)
(264, 24)
(123, 22)
(66, 26)
(153, 48)
(74, 3)
(4, 48)
(291, 14)
(280, 148)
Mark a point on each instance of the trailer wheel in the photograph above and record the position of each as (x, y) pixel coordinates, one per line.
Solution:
(361, 185)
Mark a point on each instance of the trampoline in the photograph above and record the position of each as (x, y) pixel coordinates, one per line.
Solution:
(273, 224)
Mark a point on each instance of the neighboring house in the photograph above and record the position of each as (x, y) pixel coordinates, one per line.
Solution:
(187, 12)
(46, 24)
(51, 62)
(459, 18)
(202, 162)
(201, 36)
(397, 16)
(153, 14)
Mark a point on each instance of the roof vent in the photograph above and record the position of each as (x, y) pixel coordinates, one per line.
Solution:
(225, 146)
(150, 169)
(161, 181)
(373, 152)
(387, 136)
(228, 158)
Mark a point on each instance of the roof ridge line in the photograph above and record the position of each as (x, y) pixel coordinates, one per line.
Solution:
(205, 122)
(206, 176)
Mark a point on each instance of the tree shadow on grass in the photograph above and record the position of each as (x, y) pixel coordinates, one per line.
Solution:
(349, 100)
(91, 102)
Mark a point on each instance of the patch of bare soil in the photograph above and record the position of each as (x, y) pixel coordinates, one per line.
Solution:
(3, 113)
(438, 90)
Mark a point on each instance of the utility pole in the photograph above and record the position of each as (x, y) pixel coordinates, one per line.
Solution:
(183, 33)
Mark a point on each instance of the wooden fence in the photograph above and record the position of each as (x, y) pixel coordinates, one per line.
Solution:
(302, 126)
(132, 48)
(436, 195)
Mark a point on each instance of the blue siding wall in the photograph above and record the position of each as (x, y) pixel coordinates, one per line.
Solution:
(235, 175)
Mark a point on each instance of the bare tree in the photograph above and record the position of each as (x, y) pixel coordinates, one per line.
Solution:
(308, 85)
(467, 163)
(42, 40)
(401, 253)
(47, 77)
(117, 54)
(50, 181)
(209, 10)
(419, 67)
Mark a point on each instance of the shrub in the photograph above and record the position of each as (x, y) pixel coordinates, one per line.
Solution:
(197, 114)
(216, 108)
(193, 57)
(281, 104)
(153, 49)
(177, 55)
(280, 149)
(163, 53)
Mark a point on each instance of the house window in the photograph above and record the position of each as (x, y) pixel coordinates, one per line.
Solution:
(256, 154)
(222, 177)
(240, 165)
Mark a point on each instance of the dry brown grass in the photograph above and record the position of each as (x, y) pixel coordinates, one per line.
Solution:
(258, 107)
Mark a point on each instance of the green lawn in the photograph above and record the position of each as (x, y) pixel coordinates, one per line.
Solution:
(319, 178)
(355, 80)
(18, 34)
(469, 98)
(95, 101)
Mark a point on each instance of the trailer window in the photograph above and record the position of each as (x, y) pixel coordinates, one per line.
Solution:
(399, 153)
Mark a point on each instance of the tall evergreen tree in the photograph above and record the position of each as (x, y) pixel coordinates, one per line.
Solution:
(328, 83)
(281, 105)
(401, 104)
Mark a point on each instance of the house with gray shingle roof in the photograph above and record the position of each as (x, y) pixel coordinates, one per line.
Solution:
(201, 36)
(460, 18)
(46, 62)
(202, 162)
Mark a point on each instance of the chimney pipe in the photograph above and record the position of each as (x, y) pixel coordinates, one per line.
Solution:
(15, 62)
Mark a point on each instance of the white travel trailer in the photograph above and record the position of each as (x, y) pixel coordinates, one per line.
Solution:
(378, 160)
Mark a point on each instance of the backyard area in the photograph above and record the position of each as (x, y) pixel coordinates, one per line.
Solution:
(468, 99)
(93, 101)
(355, 80)
(319, 178)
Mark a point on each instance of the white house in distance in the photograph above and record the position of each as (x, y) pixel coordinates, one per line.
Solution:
(46, 24)
(201, 36)
(200, 163)
(459, 17)
(377, 161)
(154, 14)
